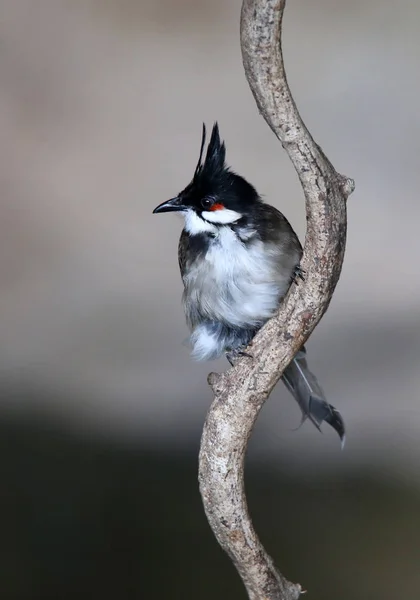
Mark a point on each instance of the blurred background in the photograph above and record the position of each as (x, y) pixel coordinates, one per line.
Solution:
(101, 408)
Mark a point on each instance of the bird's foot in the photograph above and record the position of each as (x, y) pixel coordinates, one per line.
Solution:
(236, 354)
(297, 274)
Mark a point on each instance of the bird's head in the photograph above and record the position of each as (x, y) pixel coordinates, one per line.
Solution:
(216, 196)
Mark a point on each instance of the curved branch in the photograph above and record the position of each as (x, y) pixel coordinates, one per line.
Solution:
(241, 392)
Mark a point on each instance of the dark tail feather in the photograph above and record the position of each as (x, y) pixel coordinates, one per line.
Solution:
(308, 393)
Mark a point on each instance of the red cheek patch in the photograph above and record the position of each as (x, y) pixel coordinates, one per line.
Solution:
(217, 207)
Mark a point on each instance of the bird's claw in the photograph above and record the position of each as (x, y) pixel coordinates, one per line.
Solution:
(297, 274)
(236, 354)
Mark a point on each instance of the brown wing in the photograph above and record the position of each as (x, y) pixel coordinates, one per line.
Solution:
(275, 228)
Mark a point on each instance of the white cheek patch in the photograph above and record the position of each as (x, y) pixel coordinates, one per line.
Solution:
(223, 216)
(195, 225)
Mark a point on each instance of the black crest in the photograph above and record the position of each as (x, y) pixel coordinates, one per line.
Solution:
(214, 179)
(214, 163)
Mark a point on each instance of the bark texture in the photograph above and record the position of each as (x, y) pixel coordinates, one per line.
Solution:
(241, 392)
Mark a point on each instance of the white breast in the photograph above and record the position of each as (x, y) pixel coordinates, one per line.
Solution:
(240, 285)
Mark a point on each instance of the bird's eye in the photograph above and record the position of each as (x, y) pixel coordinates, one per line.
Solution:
(207, 202)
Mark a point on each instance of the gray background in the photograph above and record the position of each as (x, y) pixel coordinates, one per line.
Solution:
(101, 105)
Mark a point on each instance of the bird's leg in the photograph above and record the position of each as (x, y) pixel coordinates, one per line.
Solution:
(297, 274)
(235, 354)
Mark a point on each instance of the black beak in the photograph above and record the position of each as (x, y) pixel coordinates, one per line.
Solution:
(170, 206)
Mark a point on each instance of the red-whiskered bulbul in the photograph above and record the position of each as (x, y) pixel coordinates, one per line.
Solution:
(238, 256)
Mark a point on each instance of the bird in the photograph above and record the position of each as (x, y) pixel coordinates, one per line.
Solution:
(238, 256)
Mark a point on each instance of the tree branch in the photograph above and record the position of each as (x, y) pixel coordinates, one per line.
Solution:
(241, 392)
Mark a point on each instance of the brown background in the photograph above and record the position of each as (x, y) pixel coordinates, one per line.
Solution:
(101, 105)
